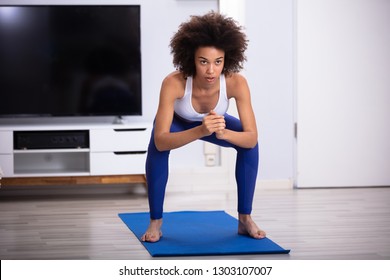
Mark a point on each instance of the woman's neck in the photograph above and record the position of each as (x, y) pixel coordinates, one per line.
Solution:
(203, 87)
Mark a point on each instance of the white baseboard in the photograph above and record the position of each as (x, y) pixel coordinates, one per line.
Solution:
(277, 184)
(197, 179)
(216, 178)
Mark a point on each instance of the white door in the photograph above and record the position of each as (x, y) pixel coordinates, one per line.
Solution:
(343, 93)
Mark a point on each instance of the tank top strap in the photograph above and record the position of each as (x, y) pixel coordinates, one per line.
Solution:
(188, 89)
(222, 87)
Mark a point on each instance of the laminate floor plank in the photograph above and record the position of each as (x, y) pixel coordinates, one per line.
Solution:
(346, 223)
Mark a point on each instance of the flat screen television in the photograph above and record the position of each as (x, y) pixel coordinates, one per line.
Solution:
(70, 60)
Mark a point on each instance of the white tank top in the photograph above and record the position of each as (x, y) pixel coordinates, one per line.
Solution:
(183, 106)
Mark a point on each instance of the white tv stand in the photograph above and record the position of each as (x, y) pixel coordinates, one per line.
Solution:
(116, 154)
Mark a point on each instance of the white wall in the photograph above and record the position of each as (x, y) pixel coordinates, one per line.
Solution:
(269, 25)
(269, 72)
(159, 21)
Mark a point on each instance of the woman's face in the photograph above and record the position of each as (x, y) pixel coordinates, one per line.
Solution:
(209, 62)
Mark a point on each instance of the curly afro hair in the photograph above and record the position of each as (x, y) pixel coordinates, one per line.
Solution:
(209, 30)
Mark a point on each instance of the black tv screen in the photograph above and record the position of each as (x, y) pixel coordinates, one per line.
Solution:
(70, 60)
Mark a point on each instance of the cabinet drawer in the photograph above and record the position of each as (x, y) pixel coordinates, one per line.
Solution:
(7, 165)
(106, 140)
(6, 143)
(117, 163)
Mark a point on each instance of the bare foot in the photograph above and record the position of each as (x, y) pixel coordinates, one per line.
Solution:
(246, 226)
(153, 233)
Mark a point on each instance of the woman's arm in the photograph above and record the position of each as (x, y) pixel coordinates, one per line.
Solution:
(238, 89)
(172, 88)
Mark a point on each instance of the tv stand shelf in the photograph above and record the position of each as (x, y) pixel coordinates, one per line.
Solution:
(74, 180)
(111, 153)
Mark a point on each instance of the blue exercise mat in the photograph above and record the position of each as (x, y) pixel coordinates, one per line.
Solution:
(194, 233)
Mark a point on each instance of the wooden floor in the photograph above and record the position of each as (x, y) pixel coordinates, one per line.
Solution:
(82, 223)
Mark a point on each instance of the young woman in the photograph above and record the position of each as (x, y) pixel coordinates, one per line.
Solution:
(208, 52)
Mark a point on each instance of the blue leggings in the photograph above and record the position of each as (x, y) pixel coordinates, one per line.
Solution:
(157, 167)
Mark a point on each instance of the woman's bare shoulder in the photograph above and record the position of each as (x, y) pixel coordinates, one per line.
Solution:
(235, 79)
(175, 78)
(174, 84)
(236, 83)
